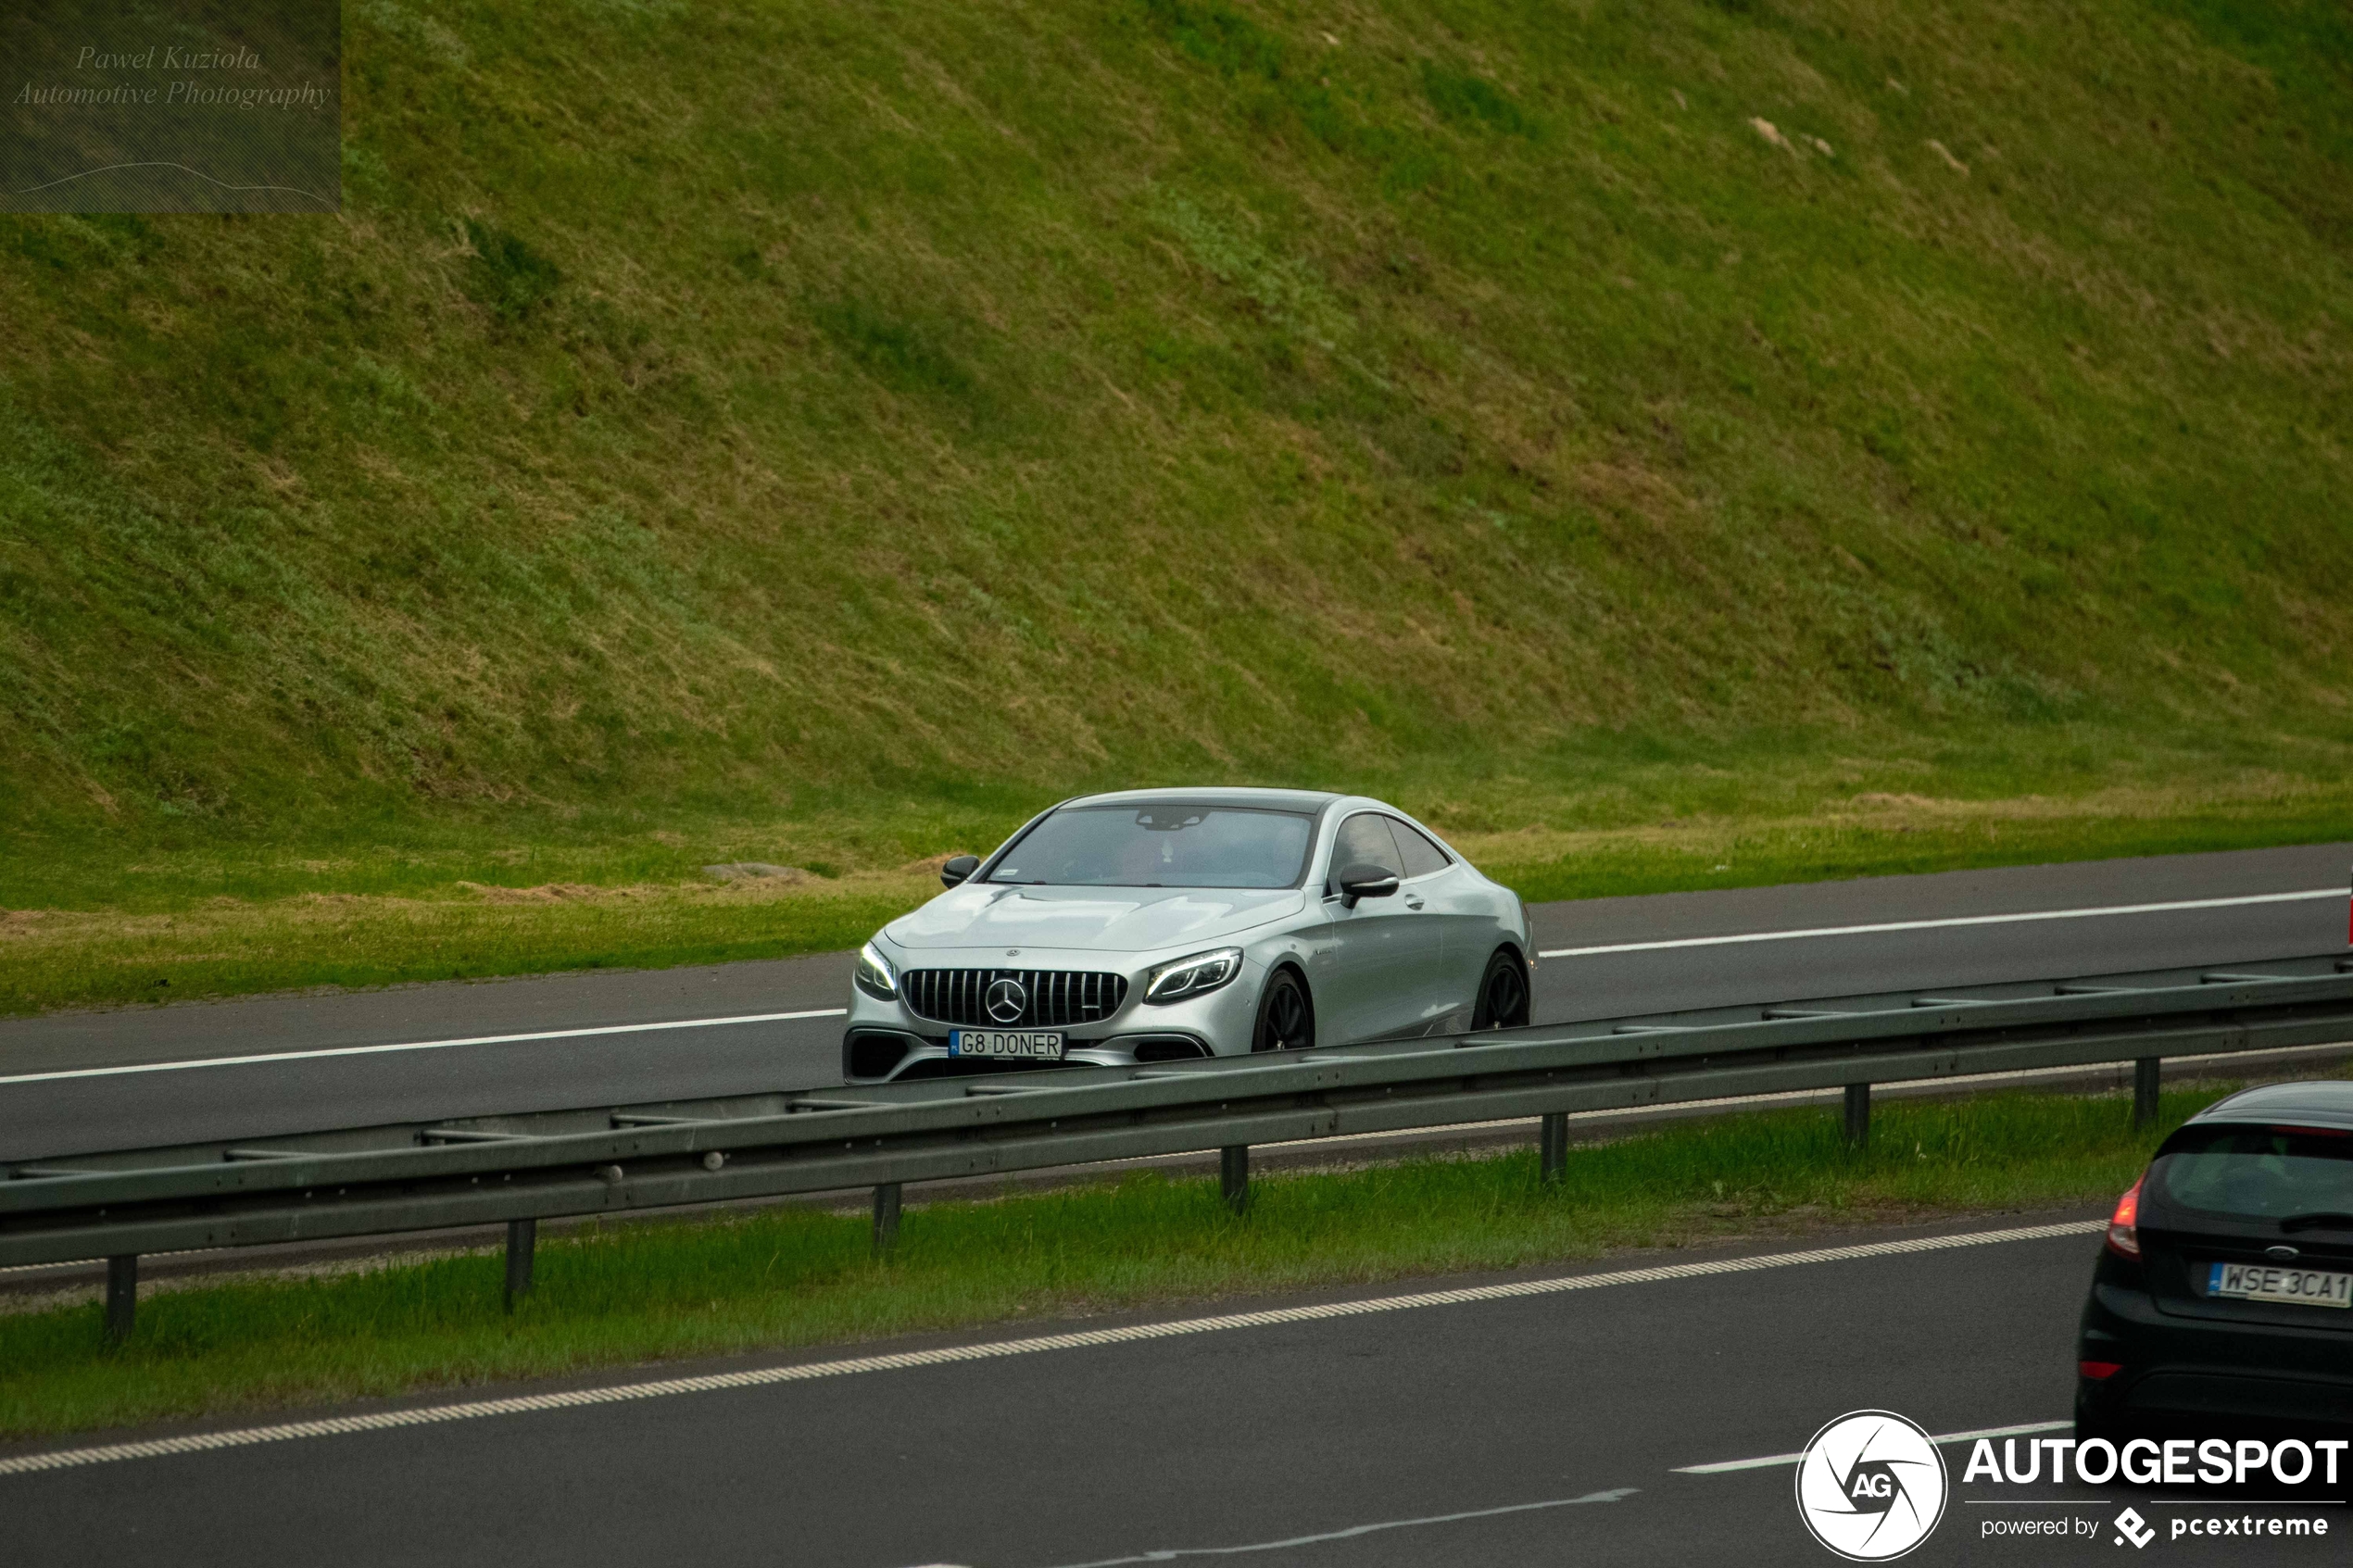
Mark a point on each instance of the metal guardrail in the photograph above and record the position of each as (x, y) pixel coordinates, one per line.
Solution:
(521, 1169)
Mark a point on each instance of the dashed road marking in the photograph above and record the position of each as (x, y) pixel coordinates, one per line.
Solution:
(428, 1415)
(418, 1046)
(1722, 1467)
(1951, 921)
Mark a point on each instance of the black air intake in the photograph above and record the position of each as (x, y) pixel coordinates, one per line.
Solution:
(871, 1053)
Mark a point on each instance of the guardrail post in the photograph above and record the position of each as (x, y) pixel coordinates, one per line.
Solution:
(885, 1218)
(385, 1181)
(522, 1241)
(2145, 1071)
(122, 1294)
(1552, 1144)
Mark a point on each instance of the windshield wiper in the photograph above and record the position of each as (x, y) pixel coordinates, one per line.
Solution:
(2326, 1219)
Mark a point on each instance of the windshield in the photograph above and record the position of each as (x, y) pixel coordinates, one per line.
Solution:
(2263, 1174)
(1161, 846)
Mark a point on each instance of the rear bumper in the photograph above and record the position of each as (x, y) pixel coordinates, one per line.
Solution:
(2194, 1373)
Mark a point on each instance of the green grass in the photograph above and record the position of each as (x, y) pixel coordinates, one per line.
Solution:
(1738, 853)
(171, 928)
(781, 425)
(229, 947)
(792, 1278)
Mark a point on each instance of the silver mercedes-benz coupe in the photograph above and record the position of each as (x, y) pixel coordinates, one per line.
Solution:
(1161, 924)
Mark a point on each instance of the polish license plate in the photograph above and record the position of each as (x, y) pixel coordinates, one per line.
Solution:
(2269, 1282)
(1007, 1044)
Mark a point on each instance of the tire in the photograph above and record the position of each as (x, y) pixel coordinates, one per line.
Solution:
(1286, 1014)
(1502, 993)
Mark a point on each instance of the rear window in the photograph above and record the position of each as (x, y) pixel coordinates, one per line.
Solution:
(2284, 1174)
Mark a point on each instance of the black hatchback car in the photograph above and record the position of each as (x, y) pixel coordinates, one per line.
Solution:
(2225, 1289)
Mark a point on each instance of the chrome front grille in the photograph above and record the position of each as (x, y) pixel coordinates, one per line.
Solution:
(1057, 998)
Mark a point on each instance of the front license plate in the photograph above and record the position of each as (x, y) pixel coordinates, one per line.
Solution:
(1007, 1044)
(2269, 1282)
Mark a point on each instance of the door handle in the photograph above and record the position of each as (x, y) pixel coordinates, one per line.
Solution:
(1413, 903)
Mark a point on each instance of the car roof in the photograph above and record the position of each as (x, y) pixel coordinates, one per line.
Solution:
(2321, 1103)
(1264, 799)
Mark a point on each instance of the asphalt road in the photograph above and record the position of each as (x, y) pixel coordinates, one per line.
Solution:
(687, 1033)
(1543, 1428)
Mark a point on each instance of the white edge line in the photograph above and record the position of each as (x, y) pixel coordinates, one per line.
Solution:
(416, 1046)
(1953, 921)
(59, 1458)
(1732, 1465)
(838, 1012)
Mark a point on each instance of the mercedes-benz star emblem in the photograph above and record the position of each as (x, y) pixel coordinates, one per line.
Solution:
(1006, 1001)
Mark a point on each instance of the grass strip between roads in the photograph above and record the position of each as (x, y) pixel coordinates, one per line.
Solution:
(787, 1277)
(180, 927)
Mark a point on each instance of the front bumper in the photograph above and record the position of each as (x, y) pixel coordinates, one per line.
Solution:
(887, 1040)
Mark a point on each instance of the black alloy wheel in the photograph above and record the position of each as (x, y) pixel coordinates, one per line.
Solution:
(1286, 1015)
(1503, 994)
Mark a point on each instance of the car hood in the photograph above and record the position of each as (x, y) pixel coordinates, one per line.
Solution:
(1126, 919)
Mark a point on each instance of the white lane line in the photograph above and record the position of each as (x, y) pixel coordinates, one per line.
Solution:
(1954, 921)
(431, 1414)
(418, 1046)
(1730, 1464)
(1168, 1554)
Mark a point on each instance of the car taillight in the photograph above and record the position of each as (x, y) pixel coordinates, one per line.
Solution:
(2123, 1226)
(2099, 1372)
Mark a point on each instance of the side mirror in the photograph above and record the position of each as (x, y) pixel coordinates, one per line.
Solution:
(1364, 881)
(958, 872)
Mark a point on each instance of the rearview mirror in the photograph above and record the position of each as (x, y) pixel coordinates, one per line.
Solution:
(958, 872)
(1366, 880)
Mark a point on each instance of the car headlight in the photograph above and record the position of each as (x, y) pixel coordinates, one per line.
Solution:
(1190, 977)
(874, 974)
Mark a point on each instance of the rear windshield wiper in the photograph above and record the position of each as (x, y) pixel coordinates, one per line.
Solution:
(2327, 1219)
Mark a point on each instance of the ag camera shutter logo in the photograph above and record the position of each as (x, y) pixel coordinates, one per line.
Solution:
(1871, 1485)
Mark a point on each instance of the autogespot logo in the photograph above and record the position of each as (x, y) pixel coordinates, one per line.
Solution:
(1871, 1485)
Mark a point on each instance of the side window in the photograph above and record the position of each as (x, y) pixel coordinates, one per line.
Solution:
(1421, 856)
(1364, 841)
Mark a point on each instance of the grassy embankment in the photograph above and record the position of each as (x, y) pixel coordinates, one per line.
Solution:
(1725, 442)
(790, 1278)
